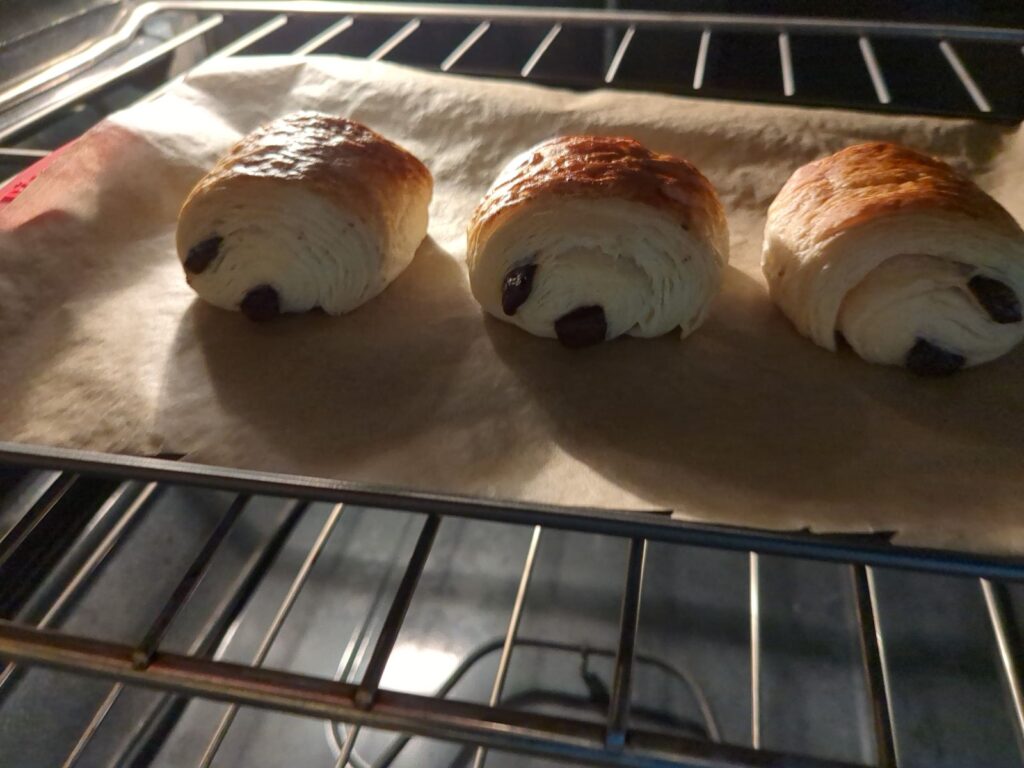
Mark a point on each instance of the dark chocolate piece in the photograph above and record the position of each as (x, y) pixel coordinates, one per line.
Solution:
(926, 359)
(997, 298)
(261, 303)
(201, 255)
(582, 327)
(516, 287)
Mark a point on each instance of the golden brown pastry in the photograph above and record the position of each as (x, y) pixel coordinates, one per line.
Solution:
(308, 211)
(899, 254)
(586, 238)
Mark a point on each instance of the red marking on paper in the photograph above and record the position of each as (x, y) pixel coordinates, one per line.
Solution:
(17, 185)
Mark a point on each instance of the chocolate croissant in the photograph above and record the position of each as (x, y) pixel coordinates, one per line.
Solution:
(895, 252)
(587, 238)
(308, 211)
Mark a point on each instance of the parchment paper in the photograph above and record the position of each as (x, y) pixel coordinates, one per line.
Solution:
(105, 347)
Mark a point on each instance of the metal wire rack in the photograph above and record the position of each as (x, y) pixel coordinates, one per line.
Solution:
(365, 703)
(569, 47)
(880, 65)
(946, 69)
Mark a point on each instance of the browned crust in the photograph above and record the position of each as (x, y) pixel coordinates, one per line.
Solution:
(606, 167)
(321, 151)
(867, 181)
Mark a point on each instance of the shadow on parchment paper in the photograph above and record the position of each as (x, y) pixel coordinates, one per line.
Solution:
(746, 421)
(54, 355)
(370, 396)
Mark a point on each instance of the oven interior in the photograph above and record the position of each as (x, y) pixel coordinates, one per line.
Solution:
(454, 634)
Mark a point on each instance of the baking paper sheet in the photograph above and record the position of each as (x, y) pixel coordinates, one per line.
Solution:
(105, 347)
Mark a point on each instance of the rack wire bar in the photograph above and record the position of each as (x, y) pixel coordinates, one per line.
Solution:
(24, 495)
(93, 725)
(151, 728)
(702, 60)
(876, 669)
(517, 614)
(23, 153)
(460, 50)
(63, 69)
(141, 502)
(511, 632)
(352, 657)
(189, 583)
(395, 40)
(505, 729)
(236, 46)
(370, 684)
(243, 587)
(658, 526)
(87, 84)
(298, 582)
(965, 77)
(82, 576)
(755, 650)
(58, 99)
(620, 52)
(874, 70)
(325, 37)
(786, 62)
(544, 44)
(995, 602)
(346, 748)
(36, 513)
(618, 710)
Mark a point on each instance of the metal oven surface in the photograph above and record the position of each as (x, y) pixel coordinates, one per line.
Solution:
(283, 607)
(157, 613)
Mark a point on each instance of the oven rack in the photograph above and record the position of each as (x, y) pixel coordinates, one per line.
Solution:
(964, 70)
(366, 703)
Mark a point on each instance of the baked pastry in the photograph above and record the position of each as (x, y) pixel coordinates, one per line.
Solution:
(895, 252)
(308, 211)
(586, 238)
